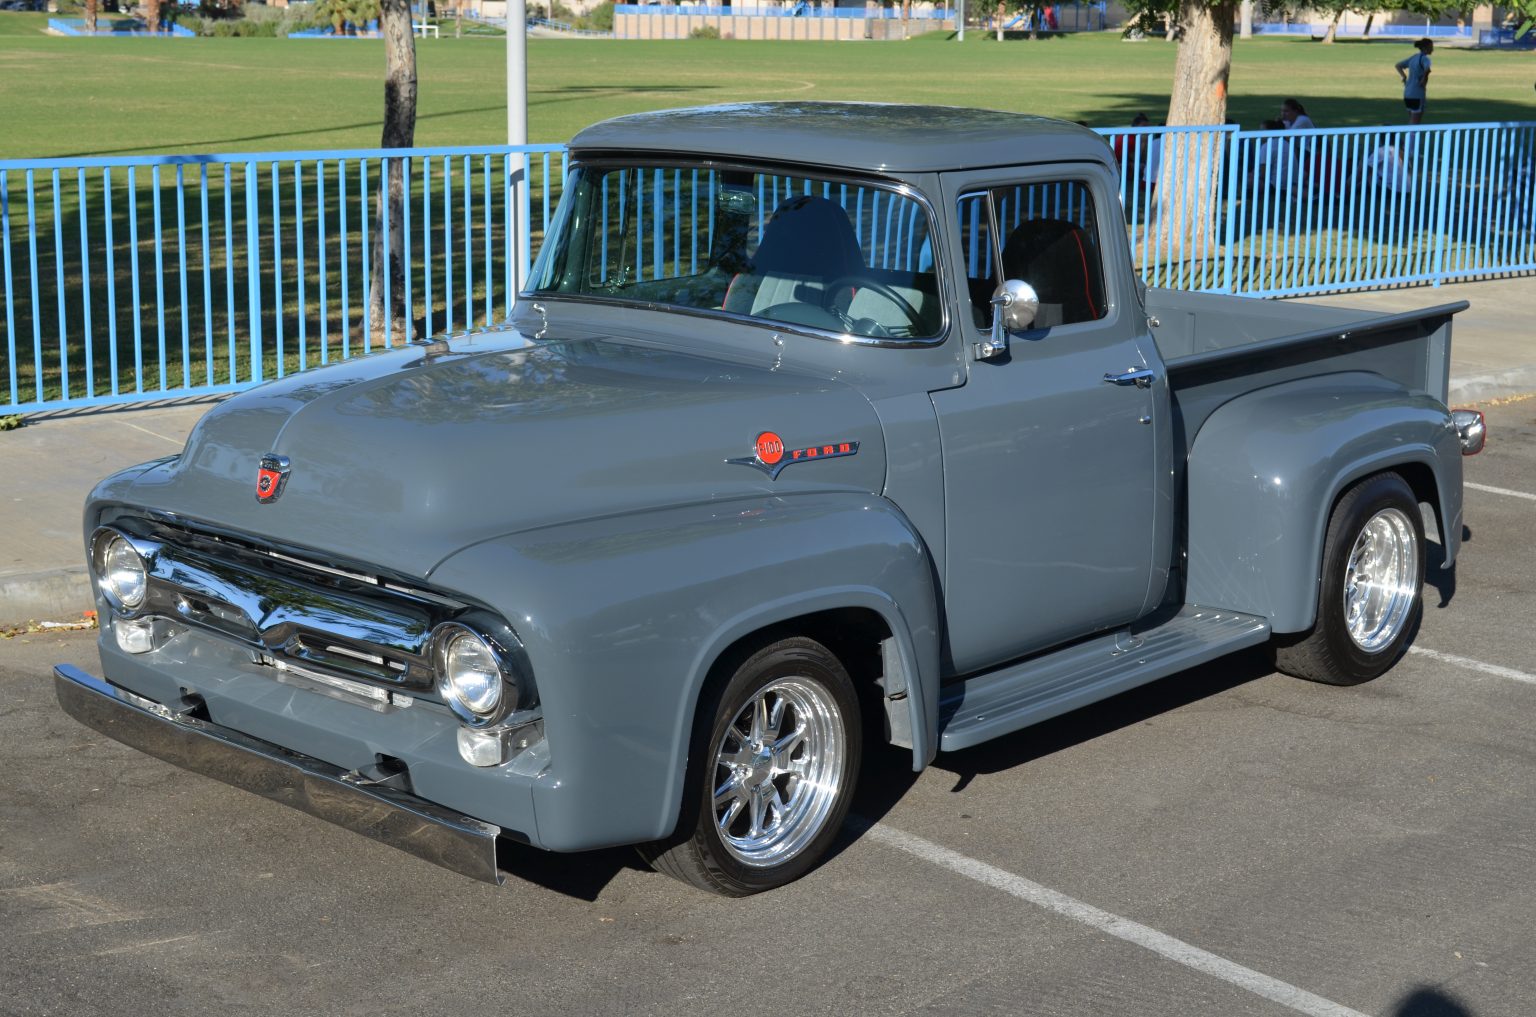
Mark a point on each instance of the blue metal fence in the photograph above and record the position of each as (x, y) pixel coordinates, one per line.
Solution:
(790, 10)
(1285, 213)
(149, 277)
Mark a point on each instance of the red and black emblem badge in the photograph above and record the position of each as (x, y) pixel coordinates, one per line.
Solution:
(271, 477)
(770, 455)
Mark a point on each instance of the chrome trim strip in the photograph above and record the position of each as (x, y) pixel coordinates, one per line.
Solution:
(419, 827)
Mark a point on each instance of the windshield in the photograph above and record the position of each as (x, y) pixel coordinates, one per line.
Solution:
(843, 257)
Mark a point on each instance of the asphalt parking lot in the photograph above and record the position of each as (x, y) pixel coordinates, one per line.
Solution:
(1226, 842)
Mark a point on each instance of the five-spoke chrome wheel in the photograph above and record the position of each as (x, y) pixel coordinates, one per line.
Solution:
(1381, 579)
(778, 771)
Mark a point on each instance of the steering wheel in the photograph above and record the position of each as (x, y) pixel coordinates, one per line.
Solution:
(889, 292)
(796, 313)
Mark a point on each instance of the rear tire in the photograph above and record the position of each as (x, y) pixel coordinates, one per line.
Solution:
(1370, 599)
(771, 773)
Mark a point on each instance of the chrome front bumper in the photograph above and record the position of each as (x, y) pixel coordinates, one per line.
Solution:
(430, 832)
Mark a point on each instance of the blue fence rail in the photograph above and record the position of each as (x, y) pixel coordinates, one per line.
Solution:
(1286, 213)
(143, 278)
(804, 9)
(150, 277)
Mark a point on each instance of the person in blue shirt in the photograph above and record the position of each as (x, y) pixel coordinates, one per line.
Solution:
(1415, 74)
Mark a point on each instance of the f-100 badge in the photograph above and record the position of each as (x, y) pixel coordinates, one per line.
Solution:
(770, 455)
(270, 477)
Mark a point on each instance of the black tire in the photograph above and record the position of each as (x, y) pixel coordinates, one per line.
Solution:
(786, 806)
(1330, 652)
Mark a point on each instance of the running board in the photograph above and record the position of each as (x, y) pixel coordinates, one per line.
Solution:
(999, 702)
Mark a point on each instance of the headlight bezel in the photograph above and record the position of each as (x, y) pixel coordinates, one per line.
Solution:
(103, 541)
(504, 649)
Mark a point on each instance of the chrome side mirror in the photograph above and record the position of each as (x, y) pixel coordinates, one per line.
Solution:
(1014, 306)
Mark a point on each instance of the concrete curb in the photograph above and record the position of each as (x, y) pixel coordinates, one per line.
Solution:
(55, 595)
(1484, 388)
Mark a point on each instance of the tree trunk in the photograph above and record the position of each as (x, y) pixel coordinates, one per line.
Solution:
(1189, 178)
(399, 132)
(90, 15)
(1001, 10)
(1246, 21)
(458, 20)
(1368, 19)
(152, 15)
(1333, 27)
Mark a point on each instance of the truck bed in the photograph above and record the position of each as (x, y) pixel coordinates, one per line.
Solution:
(1217, 347)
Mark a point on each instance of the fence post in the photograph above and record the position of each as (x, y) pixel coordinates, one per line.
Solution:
(1444, 201)
(1231, 165)
(253, 270)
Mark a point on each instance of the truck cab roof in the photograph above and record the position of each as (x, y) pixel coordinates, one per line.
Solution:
(874, 137)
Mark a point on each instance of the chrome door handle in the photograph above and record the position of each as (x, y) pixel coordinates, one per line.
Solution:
(1141, 377)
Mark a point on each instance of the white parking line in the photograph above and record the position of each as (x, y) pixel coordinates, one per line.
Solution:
(1499, 490)
(1122, 928)
(1475, 665)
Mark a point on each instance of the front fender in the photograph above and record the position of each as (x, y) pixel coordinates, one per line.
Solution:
(1267, 468)
(622, 619)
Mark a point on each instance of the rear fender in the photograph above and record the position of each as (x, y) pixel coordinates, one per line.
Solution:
(624, 618)
(1267, 468)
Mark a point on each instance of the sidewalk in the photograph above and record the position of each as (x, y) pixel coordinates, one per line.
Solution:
(56, 459)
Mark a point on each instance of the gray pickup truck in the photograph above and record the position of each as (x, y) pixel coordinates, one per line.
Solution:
(817, 425)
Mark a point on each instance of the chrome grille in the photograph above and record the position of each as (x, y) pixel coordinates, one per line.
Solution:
(321, 618)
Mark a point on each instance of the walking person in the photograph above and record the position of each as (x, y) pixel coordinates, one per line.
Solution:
(1415, 74)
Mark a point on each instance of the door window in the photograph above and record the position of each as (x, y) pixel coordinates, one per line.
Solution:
(1046, 234)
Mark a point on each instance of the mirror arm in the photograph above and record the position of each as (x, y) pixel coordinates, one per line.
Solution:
(996, 343)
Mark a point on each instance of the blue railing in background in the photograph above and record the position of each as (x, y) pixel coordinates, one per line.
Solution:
(147, 277)
(1281, 213)
(1405, 33)
(150, 277)
(791, 10)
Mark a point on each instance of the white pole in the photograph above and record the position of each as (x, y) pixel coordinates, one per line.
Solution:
(517, 128)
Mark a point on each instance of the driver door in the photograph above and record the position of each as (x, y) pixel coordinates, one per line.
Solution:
(1049, 450)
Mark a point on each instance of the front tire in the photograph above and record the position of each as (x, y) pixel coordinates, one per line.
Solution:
(772, 771)
(1370, 599)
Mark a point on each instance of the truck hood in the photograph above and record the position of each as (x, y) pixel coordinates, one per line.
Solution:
(401, 459)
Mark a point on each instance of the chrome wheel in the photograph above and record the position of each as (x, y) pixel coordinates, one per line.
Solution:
(1381, 580)
(779, 769)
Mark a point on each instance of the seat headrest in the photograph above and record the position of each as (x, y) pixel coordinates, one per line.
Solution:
(1055, 257)
(808, 236)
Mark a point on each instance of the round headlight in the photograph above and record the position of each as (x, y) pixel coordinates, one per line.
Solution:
(469, 672)
(121, 572)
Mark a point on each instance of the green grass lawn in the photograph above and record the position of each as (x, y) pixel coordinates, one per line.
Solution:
(67, 97)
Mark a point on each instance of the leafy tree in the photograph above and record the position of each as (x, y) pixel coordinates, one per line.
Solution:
(346, 16)
(1525, 10)
(1336, 9)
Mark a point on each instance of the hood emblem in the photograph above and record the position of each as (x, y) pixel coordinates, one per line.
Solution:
(271, 477)
(770, 455)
